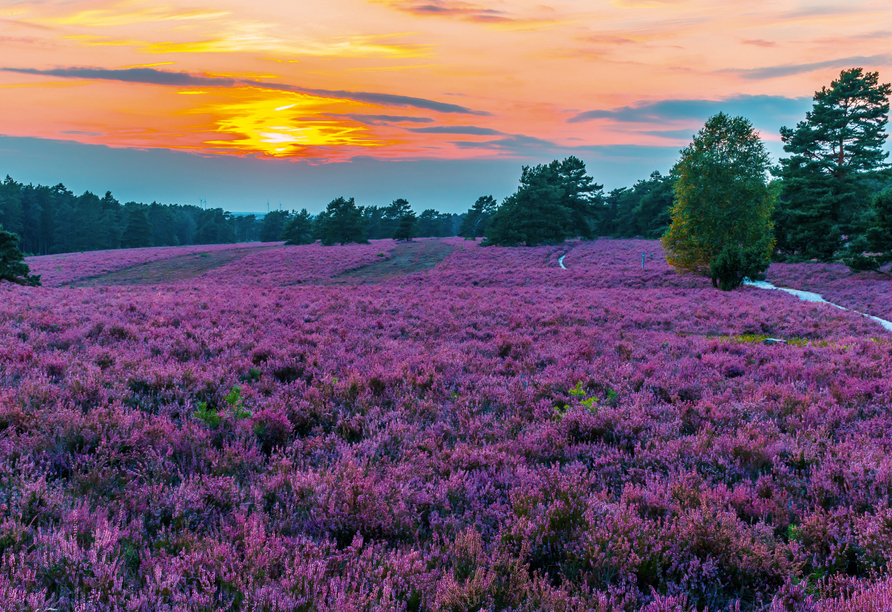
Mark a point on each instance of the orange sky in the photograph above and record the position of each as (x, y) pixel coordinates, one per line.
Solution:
(420, 79)
(518, 71)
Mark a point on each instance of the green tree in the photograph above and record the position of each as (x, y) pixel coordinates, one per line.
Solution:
(721, 217)
(533, 215)
(580, 195)
(342, 222)
(11, 214)
(12, 263)
(138, 232)
(299, 228)
(272, 225)
(391, 215)
(407, 228)
(554, 202)
(642, 210)
(474, 223)
(825, 196)
(434, 223)
(874, 249)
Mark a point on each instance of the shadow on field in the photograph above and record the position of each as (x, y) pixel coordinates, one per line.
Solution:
(407, 258)
(168, 270)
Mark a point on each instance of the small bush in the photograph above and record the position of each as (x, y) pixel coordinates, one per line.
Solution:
(734, 264)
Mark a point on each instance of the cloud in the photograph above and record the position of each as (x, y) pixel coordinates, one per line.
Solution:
(516, 144)
(465, 11)
(152, 76)
(468, 130)
(773, 72)
(80, 133)
(670, 134)
(760, 43)
(759, 109)
(380, 119)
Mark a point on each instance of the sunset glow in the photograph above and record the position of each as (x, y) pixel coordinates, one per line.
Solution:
(409, 80)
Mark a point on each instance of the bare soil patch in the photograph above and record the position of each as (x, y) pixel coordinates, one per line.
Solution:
(408, 258)
(169, 270)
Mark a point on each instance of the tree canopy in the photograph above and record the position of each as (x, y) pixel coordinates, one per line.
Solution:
(474, 223)
(298, 229)
(342, 222)
(554, 202)
(824, 194)
(12, 262)
(721, 217)
(642, 210)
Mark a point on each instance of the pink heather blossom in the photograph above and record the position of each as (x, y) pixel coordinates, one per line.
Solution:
(492, 434)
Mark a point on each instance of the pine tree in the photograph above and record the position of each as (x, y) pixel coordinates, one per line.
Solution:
(391, 215)
(407, 228)
(581, 195)
(12, 263)
(534, 214)
(299, 229)
(554, 202)
(342, 222)
(824, 195)
(272, 225)
(138, 232)
(721, 217)
(874, 249)
(474, 223)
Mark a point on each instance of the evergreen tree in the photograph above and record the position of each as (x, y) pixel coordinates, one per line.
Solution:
(824, 195)
(391, 216)
(878, 240)
(407, 228)
(721, 218)
(272, 225)
(642, 210)
(161, 219)
(247, 229)
(474, 223)
(534, 214)
(11, 214)
(554, 202)
(342, 222)
(581, 196)
(299, 228)
(12, 263)
(138, 232)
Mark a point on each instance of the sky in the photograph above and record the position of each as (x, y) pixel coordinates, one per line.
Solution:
(291, 103)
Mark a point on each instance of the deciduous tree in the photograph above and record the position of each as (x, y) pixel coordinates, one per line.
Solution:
(722, 204)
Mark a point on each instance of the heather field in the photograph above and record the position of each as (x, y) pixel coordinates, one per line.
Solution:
(444, 428)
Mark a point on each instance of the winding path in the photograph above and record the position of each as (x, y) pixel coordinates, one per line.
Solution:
(806, 296)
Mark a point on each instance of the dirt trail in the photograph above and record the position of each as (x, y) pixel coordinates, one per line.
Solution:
(407, 258)
(172, 269)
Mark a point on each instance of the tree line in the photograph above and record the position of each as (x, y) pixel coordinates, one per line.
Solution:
(723, 210)
(55, 220)
(343, 222)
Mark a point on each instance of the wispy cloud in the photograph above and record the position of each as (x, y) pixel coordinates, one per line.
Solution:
(514, 144)
(783, 70)
(380, 119)
(465, 11)
(80, 133)
(761, 110)
(152, 76)
(467, 130)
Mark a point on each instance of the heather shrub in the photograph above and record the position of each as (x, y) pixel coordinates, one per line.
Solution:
(597, 438)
